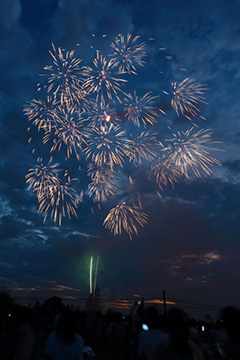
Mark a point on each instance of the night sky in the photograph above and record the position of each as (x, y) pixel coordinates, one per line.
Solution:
(190, 246)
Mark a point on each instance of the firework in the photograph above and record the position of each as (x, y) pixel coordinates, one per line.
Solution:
(76, 97)
(65, 71)
(69, 130)
(104, 170)
(189, 150)
(140, 109)
(93, 290)
(42, 175)
(107, 145)
(143, 147)
(186, 95)
(60, 200)
(102, 78)
(128, 53)
(81, 117)
(96, 274)
(101, 113)
(42, 113)
(165, 172)
(102, 183)
(90, 274)
(125, 217)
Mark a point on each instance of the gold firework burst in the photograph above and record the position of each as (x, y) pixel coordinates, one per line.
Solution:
(42, 113)
(125, 217)
(140, 110)
(186, 95)
(59, 200)
(103, 183)
(70, 131)
(191, 150)
(65, 71)
(142, 147)
(102, 79)
(165, 172)
(129, 52)
(107, 145)
(42, 175)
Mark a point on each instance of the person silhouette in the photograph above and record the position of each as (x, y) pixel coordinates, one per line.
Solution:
(178, 346)
(64, 343)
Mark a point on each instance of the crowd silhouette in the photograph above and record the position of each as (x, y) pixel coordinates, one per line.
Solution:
(54, 331)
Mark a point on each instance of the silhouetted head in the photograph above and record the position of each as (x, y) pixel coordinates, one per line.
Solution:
(65, 328)
(177, 320)
(153, 318)
(231, 322)
(179, 333)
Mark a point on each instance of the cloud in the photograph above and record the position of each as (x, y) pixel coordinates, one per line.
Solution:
(10, 13)
(7, 265)
(5, 209)
(79, 233)
(206, 258)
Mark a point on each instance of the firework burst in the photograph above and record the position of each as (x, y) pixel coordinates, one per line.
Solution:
(125, 217)
(81, 115)
(65, 71)
(107, 145)
(102, 78)
(105, 170)
(69, 130)
(165, 172)
(42, 113)
(186, 95)
(103, 183)
(140, 109)
(42, 175)
(59, 200)
(143, 147)
(128, 53)
(76, 97)
(101, 113)
(189, 150)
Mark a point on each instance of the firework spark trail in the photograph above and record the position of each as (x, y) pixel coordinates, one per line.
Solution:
(186, 95)
(165, 172)
(60, 199)
(140, 109)
(103, 183)
(128, 53)
(104, 169)
(142, 147)
(96, 274)
(125, 217)
(42, 175)
(90, 274)
(76, 97)
(70, 131)
(100, 189)
(65, 71)
(189, 150)
(42, 113)
(101, 113)
(102, 78)
(107, 145)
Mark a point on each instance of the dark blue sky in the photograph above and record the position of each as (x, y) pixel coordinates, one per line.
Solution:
(190, 246)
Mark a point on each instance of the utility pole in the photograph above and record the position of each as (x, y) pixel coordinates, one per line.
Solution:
(164, 304)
